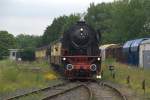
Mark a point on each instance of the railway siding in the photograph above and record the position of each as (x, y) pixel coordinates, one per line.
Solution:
(34, 91)
(124, 91)
(98, 90)
(101, 92)
(80, 92)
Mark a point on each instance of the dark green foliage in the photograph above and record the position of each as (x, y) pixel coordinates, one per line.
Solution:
(118, 21)
(57, 28)
(7, 41)
(28, 41)
(3, 51)
(99, 17)
(28, 44)
(121, 20)
(28, 54)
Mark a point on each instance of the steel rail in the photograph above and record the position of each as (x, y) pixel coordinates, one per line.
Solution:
(35, 91)
(113, 88)
(69, 90)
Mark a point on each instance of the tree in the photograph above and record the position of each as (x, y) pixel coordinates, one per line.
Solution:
(128, 19)
(28, 54)
(7, 41)
(58, 27)
(99, 17)
(28, 41)
(120, 20)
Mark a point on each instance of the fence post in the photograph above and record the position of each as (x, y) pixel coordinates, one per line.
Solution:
(111, 69)
(114, 75)
(128, 79)
(144, 85)
(102, 73)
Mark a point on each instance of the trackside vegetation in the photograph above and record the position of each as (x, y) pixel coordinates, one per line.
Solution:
(24, 75)
(122, 74)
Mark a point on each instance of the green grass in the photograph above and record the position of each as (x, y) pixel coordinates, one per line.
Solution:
(137, 75)
(13, 76)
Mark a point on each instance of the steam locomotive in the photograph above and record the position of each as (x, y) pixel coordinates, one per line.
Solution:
(77, 54)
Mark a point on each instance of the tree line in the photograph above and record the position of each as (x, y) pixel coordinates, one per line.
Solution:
(28, 43)
(121, 20)
(58, 27)
(117, 21)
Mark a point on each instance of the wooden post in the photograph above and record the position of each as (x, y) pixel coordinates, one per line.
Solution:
(114, 75)
(128, 79)
(111, 69)
(144, 85)
(102, 73)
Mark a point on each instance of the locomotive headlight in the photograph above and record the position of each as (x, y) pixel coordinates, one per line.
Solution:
(98, 59)
(64, 58)
(99, 76)
(69, 67)
(93, 67)
(81, 29)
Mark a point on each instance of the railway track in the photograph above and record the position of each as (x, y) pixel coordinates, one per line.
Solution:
(36, 91)
(63, 89)
(76, 91)
(104, 91)
(115, 89)
(80, 92)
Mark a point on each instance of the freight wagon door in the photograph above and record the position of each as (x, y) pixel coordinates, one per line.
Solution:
(146, 59)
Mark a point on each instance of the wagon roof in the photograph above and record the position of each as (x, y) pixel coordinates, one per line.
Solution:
(145, 42)
(133, 45)
(43, 47)
(55, 42)
(128, 44)
(136, 44)
(106, 46)
(15, 49)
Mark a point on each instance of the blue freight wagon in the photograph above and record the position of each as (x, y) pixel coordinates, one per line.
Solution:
(131, 51)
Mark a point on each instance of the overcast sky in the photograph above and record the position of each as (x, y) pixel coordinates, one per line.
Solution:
(33, 16)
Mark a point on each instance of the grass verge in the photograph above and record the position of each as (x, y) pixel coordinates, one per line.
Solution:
(14, 77)
(122, 71)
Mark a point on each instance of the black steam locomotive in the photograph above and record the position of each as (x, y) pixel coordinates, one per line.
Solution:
(80, 54)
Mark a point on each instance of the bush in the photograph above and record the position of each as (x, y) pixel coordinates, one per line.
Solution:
(28, 54)
(3, 52)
